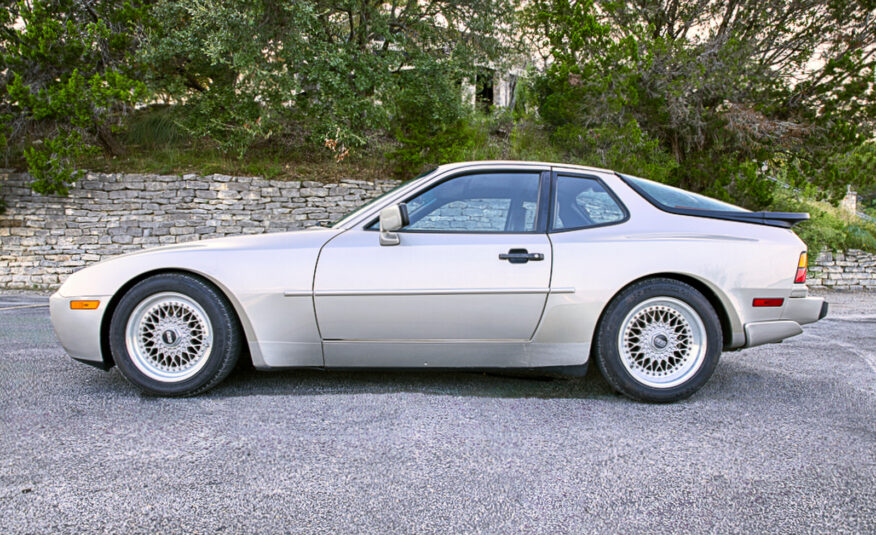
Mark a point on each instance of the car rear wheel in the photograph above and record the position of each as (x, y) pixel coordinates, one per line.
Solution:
(659, 341)
(174, 335)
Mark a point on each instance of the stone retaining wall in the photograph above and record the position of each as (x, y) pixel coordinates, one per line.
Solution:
(851, 270)
(44, 238)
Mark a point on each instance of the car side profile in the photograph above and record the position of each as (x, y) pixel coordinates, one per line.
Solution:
(472, 265)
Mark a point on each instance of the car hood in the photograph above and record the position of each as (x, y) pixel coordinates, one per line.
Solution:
(205, 257)
(277, 240)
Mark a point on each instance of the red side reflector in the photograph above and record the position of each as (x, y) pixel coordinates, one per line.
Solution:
(768, 302)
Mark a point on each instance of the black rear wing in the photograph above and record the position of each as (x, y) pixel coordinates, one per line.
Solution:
(773, 219)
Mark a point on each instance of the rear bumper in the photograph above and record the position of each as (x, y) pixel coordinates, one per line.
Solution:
(797, 311)
(805, 310)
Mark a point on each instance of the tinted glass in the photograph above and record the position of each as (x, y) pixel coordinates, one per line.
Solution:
(584, 202)
(678, 198)
(489, 202)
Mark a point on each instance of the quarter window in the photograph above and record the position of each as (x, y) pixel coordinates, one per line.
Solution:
(667, 197)
(584, 202)
(488, 202)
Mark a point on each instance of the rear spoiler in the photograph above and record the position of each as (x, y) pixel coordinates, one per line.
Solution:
(773, 219)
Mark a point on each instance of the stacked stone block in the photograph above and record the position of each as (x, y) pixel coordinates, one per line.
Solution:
(45, 238)
(851, 270)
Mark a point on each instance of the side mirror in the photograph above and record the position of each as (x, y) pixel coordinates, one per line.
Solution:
(393, 218)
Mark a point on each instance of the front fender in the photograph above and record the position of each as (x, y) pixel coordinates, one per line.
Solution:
(253, 272)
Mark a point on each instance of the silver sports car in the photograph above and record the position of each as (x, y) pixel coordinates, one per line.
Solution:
(473, 265)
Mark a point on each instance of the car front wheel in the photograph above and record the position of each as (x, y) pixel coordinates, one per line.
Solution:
(174, 335)
(659, 341)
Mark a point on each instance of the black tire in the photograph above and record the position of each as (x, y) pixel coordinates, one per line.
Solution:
(608, 351)
(202, 300)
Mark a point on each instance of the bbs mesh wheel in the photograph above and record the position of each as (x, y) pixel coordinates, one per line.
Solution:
(174, 335)
(659, 340)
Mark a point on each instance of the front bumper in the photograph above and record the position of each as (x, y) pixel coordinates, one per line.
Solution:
(78, 330)
(797, 311)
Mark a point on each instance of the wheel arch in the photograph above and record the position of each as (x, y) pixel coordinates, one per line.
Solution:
(718, 300)
(106, 353)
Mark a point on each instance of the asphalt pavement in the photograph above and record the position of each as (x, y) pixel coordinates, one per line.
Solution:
(781, 440)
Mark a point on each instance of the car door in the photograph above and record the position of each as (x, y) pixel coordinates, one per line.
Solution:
(466, 285)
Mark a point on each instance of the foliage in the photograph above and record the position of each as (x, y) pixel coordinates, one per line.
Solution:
(225, 65)
(431, 123)
(66, 78)
(586, 95)
(247, 71)
(725, 88)
(52, 162)
(153, 127)
(828, 228)
(768, 104)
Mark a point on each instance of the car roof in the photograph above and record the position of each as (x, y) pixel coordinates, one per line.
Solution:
(493, 163)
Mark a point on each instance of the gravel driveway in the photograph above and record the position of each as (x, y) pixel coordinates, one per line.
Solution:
(782, 440)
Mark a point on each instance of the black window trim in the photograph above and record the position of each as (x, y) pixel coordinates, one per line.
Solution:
(544, 177)
(555, 175)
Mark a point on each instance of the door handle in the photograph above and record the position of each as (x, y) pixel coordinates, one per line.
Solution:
(520, 256)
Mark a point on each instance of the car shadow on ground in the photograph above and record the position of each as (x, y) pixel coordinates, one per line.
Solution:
(492, 383)
(734, 379)
(246, 381)
(731, 380)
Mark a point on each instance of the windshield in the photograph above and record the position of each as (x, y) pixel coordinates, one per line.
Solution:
(674, 198)
(355, 213)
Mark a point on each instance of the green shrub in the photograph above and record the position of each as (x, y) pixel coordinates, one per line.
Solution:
(431, 123)
(154, 127)
(623, 148)
(827, 227)
(66, 76)
(51, 163)
(531, 141)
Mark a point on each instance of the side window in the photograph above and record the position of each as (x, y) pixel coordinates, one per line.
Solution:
(488, 202)
(583, 202)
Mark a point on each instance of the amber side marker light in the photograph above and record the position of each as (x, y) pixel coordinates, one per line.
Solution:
(84, 305)
(800, 278)
(768, 302)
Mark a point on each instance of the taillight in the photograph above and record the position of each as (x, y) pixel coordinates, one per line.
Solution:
(800, 278)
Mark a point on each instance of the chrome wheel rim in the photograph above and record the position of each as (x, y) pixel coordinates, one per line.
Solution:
(662, 342)
(169, 337)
